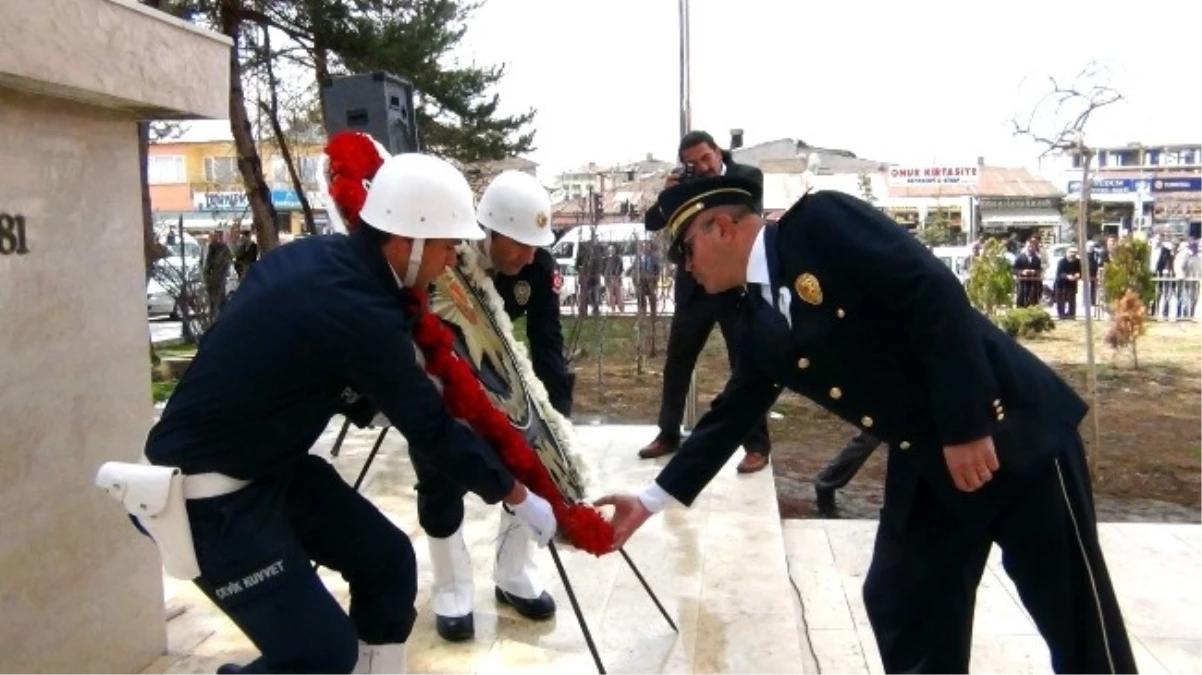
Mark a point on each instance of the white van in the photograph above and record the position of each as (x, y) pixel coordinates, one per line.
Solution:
(626, 238)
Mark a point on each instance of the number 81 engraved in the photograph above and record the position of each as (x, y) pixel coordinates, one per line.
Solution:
(12, 235)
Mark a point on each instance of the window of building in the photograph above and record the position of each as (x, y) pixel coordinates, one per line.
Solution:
(1076, 161)
(221, 169)
(165, 169)
(306, 166)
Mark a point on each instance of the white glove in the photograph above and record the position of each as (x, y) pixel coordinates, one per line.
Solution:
(535, 512)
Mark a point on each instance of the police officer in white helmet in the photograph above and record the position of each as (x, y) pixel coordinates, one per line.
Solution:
(313, 320)
(515, 211)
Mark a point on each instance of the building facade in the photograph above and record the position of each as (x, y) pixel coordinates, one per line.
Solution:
(199, 181)
(1141, 187)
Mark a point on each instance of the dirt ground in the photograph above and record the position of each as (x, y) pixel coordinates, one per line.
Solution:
(1149, 419)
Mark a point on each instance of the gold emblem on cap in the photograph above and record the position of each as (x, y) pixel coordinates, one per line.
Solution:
(521, 292)
(540, 219)
(808, 289)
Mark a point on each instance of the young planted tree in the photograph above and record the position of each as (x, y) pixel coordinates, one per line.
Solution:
(1057, 122)
(990, 285)
(937, 230)
(1126, 271)
(1130, 324)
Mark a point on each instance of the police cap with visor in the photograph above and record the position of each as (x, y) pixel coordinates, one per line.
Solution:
(677, 207)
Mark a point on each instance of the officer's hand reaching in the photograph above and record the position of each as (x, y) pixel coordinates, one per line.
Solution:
(972, 464)
(535, 512)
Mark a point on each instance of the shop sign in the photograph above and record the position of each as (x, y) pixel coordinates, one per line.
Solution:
(934, 175)
(1020, 203)
(220, 201)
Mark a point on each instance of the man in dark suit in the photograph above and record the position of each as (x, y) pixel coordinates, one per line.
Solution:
(849, 310)
(697, 311)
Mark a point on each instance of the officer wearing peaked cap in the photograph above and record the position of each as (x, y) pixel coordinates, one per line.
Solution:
(849, 310)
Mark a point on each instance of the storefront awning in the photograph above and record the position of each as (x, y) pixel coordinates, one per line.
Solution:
(1004, 219)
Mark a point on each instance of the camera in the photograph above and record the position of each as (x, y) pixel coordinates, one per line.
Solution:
(689, 171)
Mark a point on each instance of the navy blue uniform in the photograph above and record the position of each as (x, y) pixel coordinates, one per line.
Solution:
(534, 293)
(882, 335)
(313, 321)
(531, 292)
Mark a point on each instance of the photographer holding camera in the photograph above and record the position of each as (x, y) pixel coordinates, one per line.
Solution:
(697, 311)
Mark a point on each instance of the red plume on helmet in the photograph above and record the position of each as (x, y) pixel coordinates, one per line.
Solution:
(354, 159)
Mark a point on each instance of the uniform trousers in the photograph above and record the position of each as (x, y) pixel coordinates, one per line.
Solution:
(849, 461)
(439, 500)
(921, 587)
(692, 323)
(255, 545)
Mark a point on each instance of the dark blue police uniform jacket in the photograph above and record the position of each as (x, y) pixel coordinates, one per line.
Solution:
(532, 293)
(884, 337)
(312, 320)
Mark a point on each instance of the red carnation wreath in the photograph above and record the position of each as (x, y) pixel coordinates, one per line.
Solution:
(354, 160)
(584, 526)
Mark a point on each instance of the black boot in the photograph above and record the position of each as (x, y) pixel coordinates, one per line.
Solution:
(538, 609)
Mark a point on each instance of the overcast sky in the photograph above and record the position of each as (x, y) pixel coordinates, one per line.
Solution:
(915, 82)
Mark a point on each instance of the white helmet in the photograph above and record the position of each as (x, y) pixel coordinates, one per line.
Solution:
(516, 205)
(420, 197)
(423, 197)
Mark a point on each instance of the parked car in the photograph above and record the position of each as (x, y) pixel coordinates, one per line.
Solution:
(166, 284)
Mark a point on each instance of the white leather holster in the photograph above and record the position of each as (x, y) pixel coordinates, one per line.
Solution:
(157, 496)
(454, 588)
(515, 571)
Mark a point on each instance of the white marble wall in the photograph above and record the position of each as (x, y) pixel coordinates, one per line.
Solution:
(114, 53)
(80, 589)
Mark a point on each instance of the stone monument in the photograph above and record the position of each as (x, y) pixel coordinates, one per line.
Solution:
(79, 592)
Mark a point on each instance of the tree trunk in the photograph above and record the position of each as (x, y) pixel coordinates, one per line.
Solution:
(249, 163)
(322, 68)
(273, 115)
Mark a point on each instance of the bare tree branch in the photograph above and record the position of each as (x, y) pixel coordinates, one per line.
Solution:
(1085, 95)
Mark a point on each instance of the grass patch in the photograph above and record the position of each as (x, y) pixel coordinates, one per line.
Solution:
(161, 391)
(176, 352)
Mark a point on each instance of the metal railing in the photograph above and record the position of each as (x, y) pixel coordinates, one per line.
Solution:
(1175, 299)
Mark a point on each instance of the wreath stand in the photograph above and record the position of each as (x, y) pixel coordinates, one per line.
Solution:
(563, 575)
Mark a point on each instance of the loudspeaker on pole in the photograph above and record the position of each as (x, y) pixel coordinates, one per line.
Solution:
(379, 104)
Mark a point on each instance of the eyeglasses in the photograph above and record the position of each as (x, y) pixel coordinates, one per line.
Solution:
(686, 245)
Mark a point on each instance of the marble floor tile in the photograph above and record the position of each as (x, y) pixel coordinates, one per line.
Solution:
(718, 568)
(1153, 567)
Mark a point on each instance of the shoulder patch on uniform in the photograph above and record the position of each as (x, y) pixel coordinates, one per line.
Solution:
(521, 292)
(808, 289)
(556, 281)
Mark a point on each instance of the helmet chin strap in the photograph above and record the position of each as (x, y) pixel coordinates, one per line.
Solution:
(415, 262)
(484, 249)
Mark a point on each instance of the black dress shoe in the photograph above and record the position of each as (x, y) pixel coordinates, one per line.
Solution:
(455, 628)
(826, 502)
(538, 609)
